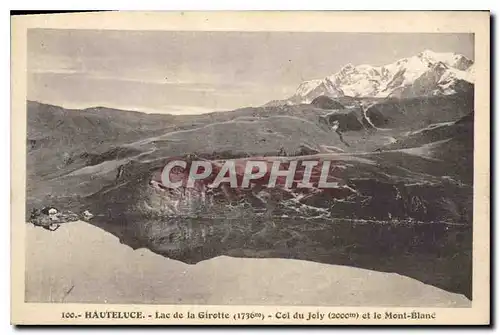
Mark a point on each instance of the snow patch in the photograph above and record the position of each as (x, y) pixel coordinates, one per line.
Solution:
(381, 81)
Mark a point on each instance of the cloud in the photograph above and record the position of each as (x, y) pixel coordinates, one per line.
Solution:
(55, 71)
(166, 109)
(184, 110)
(198, 86)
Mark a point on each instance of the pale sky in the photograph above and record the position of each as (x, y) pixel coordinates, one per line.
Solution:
(196, 72)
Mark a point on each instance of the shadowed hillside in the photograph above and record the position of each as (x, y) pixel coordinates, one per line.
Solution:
(325, 102)
(419, 112)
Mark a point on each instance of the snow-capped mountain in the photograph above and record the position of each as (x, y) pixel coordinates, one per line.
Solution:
(428, 73)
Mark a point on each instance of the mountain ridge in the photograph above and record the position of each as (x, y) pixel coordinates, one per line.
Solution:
(427, 73)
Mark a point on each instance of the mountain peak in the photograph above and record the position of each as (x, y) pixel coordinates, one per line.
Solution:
(347, 67)
(450, 59)
(426, 68)
(428, 54)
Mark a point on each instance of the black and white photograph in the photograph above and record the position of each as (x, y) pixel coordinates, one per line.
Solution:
(256, 168)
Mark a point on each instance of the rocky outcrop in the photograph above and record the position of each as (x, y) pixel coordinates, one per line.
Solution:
(325, 102)
(51, 218)
(347, 119)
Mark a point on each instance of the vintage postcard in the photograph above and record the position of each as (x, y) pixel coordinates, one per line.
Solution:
(308, 168)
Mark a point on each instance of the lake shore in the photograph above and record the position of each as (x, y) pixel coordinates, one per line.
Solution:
(80, 263)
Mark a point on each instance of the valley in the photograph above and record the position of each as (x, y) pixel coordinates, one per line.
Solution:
(404, 167)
